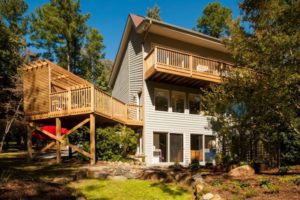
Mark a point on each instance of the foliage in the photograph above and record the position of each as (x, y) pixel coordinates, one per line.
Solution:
(92, 55)
(59, 28)
(154, 12)
(256, 108)
(13, 26)
(217, 182)
(112, 143)
(129, 189)
(268, 185)
(283, 169)
(213, 21)
(195, 165)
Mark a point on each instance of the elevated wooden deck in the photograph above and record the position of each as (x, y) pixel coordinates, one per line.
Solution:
(183, 68)
(50, 92)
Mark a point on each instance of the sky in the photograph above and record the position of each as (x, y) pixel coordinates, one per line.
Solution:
(109, 16)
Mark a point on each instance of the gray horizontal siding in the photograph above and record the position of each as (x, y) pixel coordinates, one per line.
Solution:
(121, 87)
(135, 65)
(160, 121)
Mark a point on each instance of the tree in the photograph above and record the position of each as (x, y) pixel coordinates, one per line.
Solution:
(59, 29)
(93, 53)
(154, 12)
(13, 25)
(213, 21)
(257, 106)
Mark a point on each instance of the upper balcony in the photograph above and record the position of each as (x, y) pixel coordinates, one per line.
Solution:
(182, 68)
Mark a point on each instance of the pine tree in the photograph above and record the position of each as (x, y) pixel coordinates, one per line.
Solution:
(93, 53)
(59, 29)
(154, 12)
(213, 21)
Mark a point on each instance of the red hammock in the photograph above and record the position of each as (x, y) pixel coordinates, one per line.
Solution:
(51, 129)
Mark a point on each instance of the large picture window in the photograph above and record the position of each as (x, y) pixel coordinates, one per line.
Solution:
(178, 102)
(161, 100)
(194, 104)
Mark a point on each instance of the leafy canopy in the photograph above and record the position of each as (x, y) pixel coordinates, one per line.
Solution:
(213, 20)
(154, 12)
(259, 102)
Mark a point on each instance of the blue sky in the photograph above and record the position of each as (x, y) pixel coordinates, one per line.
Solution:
(109, 16)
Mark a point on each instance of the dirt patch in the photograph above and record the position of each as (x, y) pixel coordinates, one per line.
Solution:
(19, 189)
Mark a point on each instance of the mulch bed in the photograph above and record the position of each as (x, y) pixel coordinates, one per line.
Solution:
(33, 190)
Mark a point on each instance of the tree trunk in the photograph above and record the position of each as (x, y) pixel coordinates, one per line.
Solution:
(8, 125)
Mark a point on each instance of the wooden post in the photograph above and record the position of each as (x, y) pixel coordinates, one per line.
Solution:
(29, 142)
(191, 65)
(93, 98)
(58, 135)
(92, 139)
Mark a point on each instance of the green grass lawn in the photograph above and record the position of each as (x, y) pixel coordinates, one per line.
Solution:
(129, 189)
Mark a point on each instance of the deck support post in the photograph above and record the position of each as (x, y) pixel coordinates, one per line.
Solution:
(92, 139)
(58, 135)
(29, 142)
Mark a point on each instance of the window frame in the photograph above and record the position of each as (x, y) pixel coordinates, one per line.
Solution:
(184, 100)
(156, 90)
(189, 97)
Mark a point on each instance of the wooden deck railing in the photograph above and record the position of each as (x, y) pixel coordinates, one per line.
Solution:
(91, 99)
(185, 61)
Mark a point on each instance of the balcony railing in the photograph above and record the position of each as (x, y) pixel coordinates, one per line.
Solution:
(91, 99)
(174, 59)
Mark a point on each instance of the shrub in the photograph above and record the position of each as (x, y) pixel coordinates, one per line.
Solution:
(194, 166)
(250, 193)
(283, 169)
(112, 143)
(115, 143)
(296, 181)
(269, 186)
(217, 182)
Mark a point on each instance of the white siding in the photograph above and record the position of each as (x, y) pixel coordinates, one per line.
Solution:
(160, 121)
(121, 87)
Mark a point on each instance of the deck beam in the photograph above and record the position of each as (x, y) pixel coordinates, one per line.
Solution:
(29, 142)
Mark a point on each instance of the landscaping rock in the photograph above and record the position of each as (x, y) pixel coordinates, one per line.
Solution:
(242, 171)
(117, 177)
(97, 174)
(208, 196)
(199, 188)
(198, 178)
(217, 197)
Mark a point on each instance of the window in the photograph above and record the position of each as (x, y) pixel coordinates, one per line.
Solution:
(176, 147)
(197, 147)
(178, 102)
(160, 142)
(161, 100)
(194, 104)
(210, 148)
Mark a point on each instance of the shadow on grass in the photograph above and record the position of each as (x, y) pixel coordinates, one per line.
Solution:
(169, 190)
(34, 179)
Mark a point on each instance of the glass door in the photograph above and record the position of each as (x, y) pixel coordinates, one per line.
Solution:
(176, 147)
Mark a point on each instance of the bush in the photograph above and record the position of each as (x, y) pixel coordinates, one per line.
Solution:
(250, 193)
(283, 169)
(194, 166)
(112, 143)
(269, 186)
(115, 143)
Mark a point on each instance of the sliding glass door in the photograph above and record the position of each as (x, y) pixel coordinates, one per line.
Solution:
(176, 147)
(196, 147)
(160, 142)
